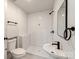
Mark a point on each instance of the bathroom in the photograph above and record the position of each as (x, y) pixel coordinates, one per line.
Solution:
(33, 24)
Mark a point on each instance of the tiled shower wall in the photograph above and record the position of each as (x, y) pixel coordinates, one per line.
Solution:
(39, 28)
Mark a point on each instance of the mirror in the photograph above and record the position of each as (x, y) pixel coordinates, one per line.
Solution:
(62, 19)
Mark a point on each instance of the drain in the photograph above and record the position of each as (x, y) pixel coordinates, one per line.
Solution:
(52, 52)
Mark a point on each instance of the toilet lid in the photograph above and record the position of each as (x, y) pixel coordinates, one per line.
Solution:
(18, 51)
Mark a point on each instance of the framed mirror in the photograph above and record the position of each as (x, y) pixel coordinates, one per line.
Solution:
(62, 19)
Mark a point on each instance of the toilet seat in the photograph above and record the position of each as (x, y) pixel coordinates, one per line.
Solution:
(18, 52)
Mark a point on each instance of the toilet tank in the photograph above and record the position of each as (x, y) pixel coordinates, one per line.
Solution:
(11, 44)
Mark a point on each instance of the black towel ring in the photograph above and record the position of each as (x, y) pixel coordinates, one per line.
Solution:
(66, 33)
(66, 36)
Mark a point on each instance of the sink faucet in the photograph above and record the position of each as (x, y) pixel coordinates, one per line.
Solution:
(58, 44)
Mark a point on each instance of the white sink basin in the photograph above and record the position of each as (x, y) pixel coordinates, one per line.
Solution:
(54, 52)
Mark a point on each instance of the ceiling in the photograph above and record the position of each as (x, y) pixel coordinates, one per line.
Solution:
(30, 6)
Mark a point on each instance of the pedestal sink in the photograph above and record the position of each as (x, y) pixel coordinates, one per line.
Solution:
(54, 52)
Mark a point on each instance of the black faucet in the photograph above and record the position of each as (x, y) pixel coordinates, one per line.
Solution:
(58, 44)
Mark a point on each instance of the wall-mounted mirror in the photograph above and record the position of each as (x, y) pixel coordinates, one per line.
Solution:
(62, 22)
(62, 19)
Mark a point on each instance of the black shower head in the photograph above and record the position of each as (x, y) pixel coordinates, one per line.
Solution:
(51, 12)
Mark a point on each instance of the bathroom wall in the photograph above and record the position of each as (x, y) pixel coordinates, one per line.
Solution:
(15, 14)
(67, 46)
(39, 28)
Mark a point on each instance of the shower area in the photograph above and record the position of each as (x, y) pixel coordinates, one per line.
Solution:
(34, 23)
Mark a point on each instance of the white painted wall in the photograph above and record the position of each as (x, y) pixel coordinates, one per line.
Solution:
(67, 46)
(13, 13)
(39, 28)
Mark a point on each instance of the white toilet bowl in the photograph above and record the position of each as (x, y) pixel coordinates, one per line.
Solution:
(18, 53)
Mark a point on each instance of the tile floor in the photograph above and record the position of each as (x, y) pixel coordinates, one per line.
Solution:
(31, 56)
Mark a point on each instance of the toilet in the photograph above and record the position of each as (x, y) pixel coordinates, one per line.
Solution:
(17, 53)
